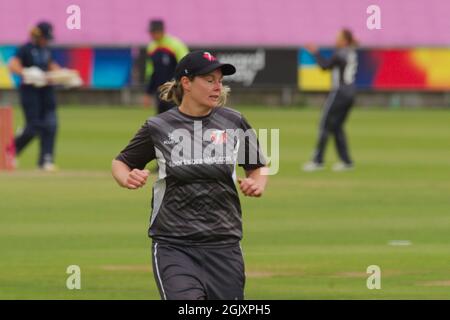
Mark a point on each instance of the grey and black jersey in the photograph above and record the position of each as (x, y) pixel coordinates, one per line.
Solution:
(343, 64)
(195, 200)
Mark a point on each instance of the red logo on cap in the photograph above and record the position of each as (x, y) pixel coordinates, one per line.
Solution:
(209, 56)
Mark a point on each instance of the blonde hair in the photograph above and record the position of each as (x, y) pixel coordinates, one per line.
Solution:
(172, 91)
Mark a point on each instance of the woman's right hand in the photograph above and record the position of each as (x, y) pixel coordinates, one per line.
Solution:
(136, 179)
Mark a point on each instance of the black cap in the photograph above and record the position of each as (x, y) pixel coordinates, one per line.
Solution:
(46, 30)
(201, 62)
(156, 25)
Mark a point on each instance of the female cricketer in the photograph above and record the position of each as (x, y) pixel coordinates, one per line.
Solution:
(196, 221)
(38, 101)
(343, 64)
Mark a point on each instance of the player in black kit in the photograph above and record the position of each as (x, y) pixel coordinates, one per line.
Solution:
(196, 223)
(343, 64)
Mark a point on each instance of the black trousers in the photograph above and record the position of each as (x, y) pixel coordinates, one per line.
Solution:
(194, 273)
(39, 108)
(335, 112)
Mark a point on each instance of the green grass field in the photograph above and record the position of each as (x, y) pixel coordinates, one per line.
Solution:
(311, 236)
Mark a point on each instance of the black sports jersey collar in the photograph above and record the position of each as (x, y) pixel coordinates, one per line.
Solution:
(197, 117)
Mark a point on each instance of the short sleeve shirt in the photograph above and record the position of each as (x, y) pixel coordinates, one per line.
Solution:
(33, 55)
(195, 200)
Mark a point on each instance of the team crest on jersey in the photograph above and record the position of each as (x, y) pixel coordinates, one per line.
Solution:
(171, 139)
(218, 137)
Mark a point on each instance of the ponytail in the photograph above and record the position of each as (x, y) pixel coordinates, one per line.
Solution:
(171, 91)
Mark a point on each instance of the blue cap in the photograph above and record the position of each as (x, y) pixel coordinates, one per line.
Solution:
(46, 30)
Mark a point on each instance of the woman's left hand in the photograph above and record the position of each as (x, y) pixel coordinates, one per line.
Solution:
(250, 187)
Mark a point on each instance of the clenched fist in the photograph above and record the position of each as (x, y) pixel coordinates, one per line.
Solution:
(250, 187)
(136, 178)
